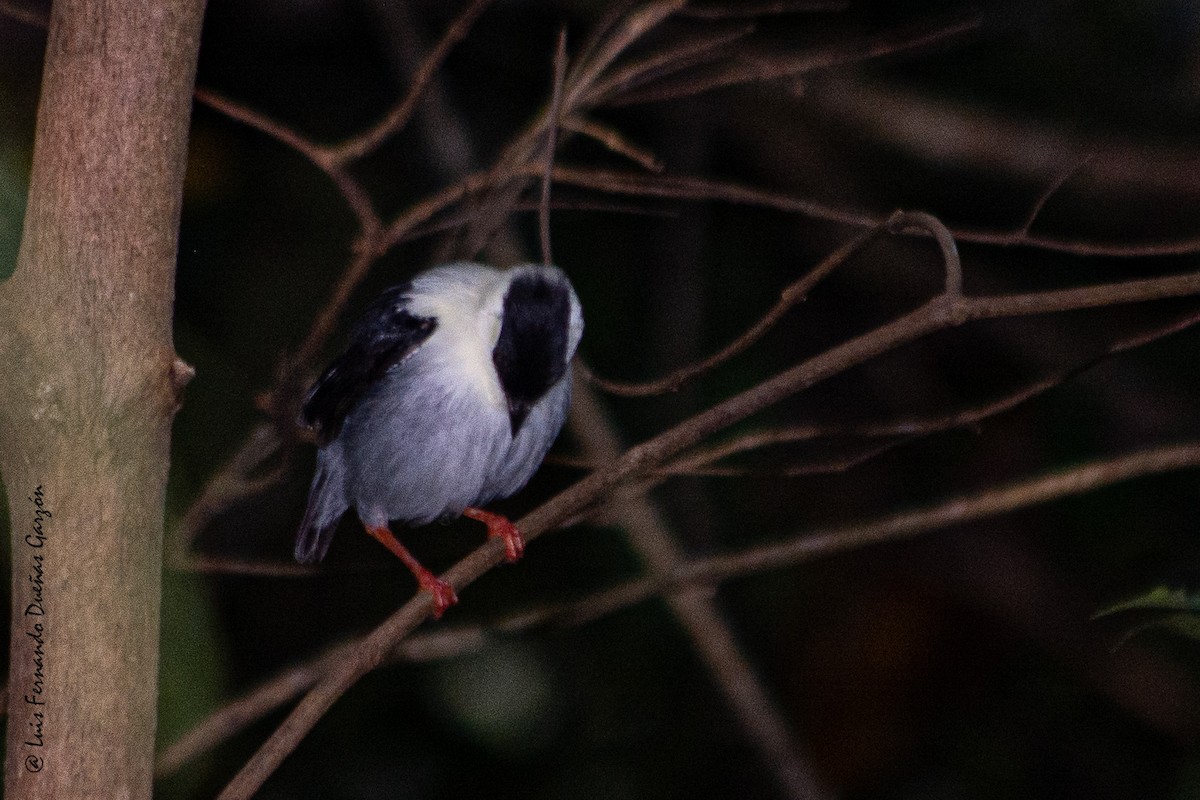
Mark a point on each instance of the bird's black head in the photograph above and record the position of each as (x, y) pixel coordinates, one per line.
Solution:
(531, 352)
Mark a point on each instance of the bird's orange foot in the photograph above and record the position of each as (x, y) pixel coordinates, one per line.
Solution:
(500, 527)
(443, 593)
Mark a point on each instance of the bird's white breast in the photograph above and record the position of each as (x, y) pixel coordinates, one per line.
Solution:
(466, 304)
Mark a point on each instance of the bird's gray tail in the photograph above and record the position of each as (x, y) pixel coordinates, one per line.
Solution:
(326, 504)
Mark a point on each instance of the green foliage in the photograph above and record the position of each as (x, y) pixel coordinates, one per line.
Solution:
(191, 672)
(1173, 610)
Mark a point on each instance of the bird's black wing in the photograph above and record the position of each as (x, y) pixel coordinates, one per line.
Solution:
(386, 335)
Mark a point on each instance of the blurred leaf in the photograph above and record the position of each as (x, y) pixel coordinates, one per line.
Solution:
(192, 672)
(1160, 598)
(1174, 610)
(13, 185)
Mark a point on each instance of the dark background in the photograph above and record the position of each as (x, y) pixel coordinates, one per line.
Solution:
(963, 663)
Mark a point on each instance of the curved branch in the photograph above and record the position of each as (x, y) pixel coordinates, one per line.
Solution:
(917, 427)
(945, 311)
(796, 549)
(321, 157)
(793, 294)
(698, 189)
(355, 148)
(898, 222)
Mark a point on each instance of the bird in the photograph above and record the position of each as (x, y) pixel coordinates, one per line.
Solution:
(450, 392)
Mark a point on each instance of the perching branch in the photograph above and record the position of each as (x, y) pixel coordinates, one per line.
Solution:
(501, 188)
(796, 549)
(949, 309)
(905, 429)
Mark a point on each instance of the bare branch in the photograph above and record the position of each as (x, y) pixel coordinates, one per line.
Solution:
(321, 157)
(828, 466)
(898, 222)
(797, 549)
(696, 189)
(916, 427)
(1052, 189)
(356, 147)
(945, 311)
(560, 68)
(747, 67)
(29, 16)
(701, 49)
(650, 536)
(762, 9)
(614, 141)
(790, 296)
(600, 55)
(957, 511)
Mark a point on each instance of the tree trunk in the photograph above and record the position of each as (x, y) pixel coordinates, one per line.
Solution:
(88, 386)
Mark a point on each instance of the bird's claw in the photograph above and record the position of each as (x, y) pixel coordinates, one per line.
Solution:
(514, 542)
(443, 593)
(500, 527)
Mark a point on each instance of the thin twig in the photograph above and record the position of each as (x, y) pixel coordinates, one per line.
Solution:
(507, 179)
(450, 221)
(898, 222)
(706, 48)
(795, 293)
(229, 483)
(712, 636)
(796, 549)
(829, 466)
(920, 426)
(1052, 189)
(746, 67)
(743, 9)
(945, 311)
(614, 140)
(957, 511)
(367, 142)
(321, 157)
(697, 189)
(620, 37)
(31, 17)
(560, 70)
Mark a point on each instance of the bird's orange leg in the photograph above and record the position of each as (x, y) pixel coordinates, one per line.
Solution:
(443, 593)
(499, 525)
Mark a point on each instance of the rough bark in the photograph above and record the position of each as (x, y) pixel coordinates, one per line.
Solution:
(88, 387)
